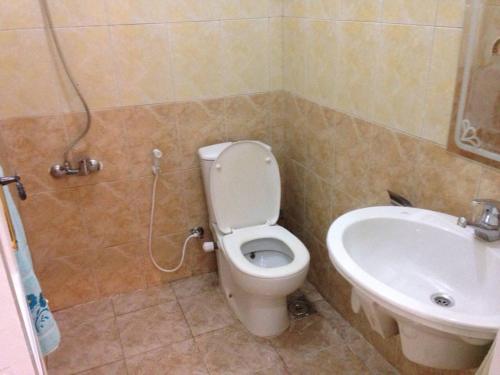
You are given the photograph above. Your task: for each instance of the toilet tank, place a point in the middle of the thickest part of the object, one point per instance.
(207, 156)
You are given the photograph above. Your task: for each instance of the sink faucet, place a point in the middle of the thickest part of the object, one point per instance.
(488, 226)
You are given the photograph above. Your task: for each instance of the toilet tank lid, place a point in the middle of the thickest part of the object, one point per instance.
(213, 151)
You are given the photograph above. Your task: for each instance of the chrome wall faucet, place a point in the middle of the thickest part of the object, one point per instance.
(488, 226)
(85, 167)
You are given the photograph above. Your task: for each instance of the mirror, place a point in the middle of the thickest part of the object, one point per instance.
(476, 124)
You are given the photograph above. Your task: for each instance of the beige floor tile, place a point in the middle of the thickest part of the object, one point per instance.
(334, 318)
(181, 358)
(117, 368)
(278, 369)
(206, 312)
(331, 360)
(306, 336)
(157, 340)
(312, 346)
(85, 346)
(138, 300)
(367, 353)
(151, 328)
(87, 312)
(233, 350)
(192, 286)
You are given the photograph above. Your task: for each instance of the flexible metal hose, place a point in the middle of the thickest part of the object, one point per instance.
(88, 121)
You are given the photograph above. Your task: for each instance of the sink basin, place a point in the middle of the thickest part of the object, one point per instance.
(418, 274)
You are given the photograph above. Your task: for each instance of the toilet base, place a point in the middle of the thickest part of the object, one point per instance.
(261, 315)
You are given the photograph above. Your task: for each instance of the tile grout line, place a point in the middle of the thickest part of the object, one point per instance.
(115, 318)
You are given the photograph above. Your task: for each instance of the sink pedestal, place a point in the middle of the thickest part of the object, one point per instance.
(423, 345)
(434, 348)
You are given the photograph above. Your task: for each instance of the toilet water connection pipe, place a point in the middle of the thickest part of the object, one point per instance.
(194, 232)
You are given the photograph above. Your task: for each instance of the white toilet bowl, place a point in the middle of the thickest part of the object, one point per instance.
(259, 262)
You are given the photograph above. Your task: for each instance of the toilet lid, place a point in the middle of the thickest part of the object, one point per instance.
(245, 186)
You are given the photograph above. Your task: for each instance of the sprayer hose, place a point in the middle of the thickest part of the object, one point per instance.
(150, 235)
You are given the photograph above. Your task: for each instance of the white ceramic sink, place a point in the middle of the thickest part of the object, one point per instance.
(397, 258)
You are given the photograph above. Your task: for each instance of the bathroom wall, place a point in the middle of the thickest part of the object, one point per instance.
(370, 90)
(173, 74)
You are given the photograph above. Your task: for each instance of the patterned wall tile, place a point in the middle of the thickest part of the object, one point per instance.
(31, 152)
(142, 63)
(360, 10)
(245, 56)
(87, 52)
(28, 76)
(133, 11)
(66, 13)
(197, 54)
(441, 86)
(20, 14)
(410, 11)
(50, 219)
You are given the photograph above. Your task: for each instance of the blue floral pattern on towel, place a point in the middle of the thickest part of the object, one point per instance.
(39, 311)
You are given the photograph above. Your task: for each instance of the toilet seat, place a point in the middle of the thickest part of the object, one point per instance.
(234, 241)
(245, 186)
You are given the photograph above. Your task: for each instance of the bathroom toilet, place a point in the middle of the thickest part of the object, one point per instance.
(259, 262)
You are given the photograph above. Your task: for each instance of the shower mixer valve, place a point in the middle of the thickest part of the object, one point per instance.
(85, 167)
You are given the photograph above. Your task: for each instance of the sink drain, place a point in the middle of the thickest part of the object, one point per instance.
(442, 300)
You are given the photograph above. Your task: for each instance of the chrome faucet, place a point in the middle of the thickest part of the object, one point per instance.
(488, 226)
(85, 167)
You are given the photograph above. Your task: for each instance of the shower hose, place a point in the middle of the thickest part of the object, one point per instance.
(150, 234)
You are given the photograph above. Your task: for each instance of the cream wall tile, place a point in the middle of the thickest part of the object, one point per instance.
(245, 59)
(244, 8)
(450, 13)
(16, 14)
(400, 86)
(311, 8)
(324, 8)
(356, 68)
(321, 62)
(441, 86)
(275, 8)
(295, 8)
(142, 61)
(89, 57)
(276, 53)
(190, 10)
(27, 75)
(77, 12)
(360, 10)
(422, 12)
(137, 11)
(294, 54)
(196, 52)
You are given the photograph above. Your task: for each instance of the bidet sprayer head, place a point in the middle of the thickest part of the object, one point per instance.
(157, 155)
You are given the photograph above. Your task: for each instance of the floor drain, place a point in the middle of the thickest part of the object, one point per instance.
(442, 300)
(298, 306)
